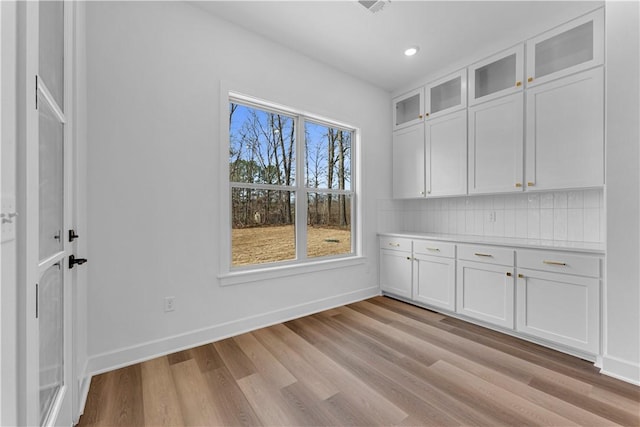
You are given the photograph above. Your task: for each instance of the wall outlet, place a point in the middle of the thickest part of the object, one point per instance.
(492, 216)
(169, 304)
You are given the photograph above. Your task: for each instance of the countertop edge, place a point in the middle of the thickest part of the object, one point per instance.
(588, 248)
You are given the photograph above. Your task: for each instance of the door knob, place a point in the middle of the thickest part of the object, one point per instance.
(73, 261)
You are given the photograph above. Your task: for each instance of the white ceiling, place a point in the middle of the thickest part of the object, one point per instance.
(370, 45)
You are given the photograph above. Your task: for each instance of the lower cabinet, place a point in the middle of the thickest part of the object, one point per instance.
(557, 302)
(434, 274)
(549, 295)
(485, 284)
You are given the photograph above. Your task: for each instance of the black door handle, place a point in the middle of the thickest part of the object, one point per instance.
(72, 235)
(73, 261)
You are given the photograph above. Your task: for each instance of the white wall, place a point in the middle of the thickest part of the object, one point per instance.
(622, 297)
(153, 78)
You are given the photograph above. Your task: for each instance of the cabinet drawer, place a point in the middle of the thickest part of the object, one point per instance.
(395, 243)
(434, 248)
(486, 254)
(560, 262)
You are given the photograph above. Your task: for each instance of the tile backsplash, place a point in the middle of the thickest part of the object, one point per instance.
(576, 216)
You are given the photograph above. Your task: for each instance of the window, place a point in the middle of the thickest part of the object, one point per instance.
(291, 186)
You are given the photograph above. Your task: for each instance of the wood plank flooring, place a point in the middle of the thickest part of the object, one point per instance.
(376, 362)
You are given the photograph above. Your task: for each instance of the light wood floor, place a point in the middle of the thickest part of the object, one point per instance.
(376, 362)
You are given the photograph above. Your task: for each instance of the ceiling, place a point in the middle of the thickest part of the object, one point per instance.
(370, 45)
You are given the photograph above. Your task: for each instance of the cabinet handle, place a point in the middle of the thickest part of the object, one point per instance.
(397, 245)
(520, 276)
(419, 116)
(518, 184)
(530, 79)
(422, 193)
(554, 262)
(426, 114)
(508, 274)
(530, 184)
(481, 254)
(433, 249)
(409, 258)
(429, 192)
(518, 84)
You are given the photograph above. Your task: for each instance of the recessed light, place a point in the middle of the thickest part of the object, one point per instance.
(411, 50)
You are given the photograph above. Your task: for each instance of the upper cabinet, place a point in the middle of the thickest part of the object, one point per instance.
(499, 75)
(446, 95)
(567, 49)
(408, 109)
(409, 163)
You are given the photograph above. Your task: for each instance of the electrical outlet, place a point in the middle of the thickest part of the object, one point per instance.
(169, 304)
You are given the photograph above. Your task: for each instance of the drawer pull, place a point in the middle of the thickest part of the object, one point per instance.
(554, 262)
(509, 274)
(481, 254)
(397, 245)
(433, 249)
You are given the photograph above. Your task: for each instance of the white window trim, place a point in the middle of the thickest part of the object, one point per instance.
(258, 272)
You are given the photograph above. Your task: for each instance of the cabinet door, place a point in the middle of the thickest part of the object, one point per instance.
(446, 155)
(497, 76)
(408, 109)
(496, 145)
(485, 292)
(570, 48)
(561, 308)
(434, 281)
(395, 272)
(446, 95)
(565, 132)
(408, 163)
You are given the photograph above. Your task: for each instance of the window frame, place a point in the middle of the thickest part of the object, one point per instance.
(302, 263)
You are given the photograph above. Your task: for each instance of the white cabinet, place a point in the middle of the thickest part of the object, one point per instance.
(496, 145)
(446, 155)
(558, 298)
(499, 75)
(565, 132)
(408, 109)
(395, 266)
(567, 49)
(434, 274)
(446, 95)
(485, 284)
(409, 162)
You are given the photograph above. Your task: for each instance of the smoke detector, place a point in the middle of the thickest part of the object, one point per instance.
(373, 6)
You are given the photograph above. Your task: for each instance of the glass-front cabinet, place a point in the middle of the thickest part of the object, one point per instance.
(408, 109)
(446, 95)
(567, 49)
(496, 76)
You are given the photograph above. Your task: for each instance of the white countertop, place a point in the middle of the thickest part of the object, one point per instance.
(594, 248)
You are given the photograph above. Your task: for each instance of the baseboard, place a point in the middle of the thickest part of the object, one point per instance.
(109, 361)
(82, 397)
(621, 369)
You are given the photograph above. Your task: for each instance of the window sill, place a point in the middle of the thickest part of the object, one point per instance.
(267, 273)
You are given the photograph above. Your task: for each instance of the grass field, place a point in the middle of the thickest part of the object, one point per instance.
(257, 245)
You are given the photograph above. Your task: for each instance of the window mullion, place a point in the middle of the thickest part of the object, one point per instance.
(301, 193)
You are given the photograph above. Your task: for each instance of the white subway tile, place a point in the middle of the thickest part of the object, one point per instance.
(470, 222)
(498, 226)
(533, 201)
(470, 203)
(533, 223)
(522, 201)
(546, 224)
(453, 222)
(478, 227)
(521, 223)
(461, 226)
(592, 225)
(592, 198)
(461, 203)
(444, 204)
(546, 200)
(509, 223)
(498, 201)
(560, 200)
(559, 224)
(431, 220)
(487, 202)
(575, 225)
(575, 200)
(510, 201)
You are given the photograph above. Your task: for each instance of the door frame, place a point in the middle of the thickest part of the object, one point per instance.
(28, 230)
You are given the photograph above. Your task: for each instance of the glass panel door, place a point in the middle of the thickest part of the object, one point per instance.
(446, 95)
(499, 75)
(407, 109)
